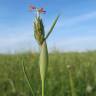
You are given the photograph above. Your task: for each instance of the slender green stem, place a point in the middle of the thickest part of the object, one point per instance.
(43, 65)
(27, 79)
(43, 87)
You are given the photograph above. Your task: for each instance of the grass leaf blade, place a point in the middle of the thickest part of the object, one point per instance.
(27, 79)
(52, 27)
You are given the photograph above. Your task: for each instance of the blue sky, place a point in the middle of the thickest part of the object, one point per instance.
(75, 30)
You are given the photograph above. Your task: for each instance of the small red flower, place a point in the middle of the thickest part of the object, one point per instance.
(31, 7)
(41, 10)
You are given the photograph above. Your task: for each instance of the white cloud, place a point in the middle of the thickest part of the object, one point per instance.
(68, 22)
(77, 43)
(20, 42)
(16, 42)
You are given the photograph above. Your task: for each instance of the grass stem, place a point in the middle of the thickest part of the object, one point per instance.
(43, 87)
(27, 78)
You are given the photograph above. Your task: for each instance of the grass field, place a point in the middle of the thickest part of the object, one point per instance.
(69, 74)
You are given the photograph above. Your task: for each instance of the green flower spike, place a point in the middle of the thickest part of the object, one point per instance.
(39, 34)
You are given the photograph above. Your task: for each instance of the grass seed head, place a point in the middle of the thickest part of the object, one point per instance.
(39, 32)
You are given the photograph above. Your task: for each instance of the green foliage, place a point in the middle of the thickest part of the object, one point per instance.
(41, 39)
(83, 75)
(52, 27)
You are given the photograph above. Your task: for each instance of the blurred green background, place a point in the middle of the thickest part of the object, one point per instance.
(66, 72)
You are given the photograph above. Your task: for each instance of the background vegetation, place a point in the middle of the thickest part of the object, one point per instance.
(68, 73)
